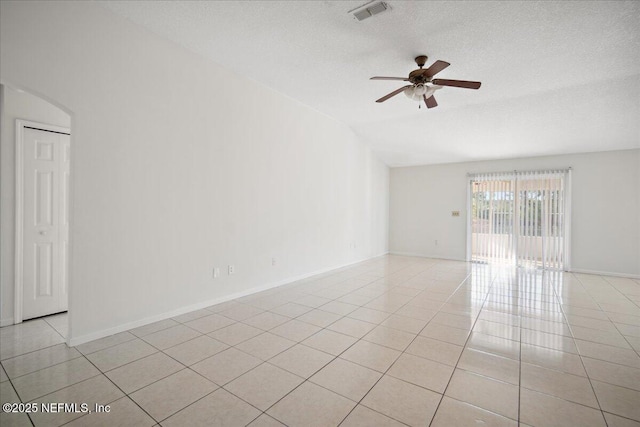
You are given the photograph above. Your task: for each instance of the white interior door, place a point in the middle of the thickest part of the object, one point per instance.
(45, 222)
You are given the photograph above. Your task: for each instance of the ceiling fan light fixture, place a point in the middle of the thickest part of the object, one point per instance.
(430, 91)
(409, 92)
(416, 92)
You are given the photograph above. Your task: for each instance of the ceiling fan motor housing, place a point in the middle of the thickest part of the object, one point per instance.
(418, 76)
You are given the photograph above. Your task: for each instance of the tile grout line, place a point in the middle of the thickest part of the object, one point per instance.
(519, 367)
(579, 353)
(19, 398)
(358, 339)
(255, 367)
(185, 367)
(614, 323)
(335, 357)
(581, 356)
(403, 351)
(115, 385)
(491, 281)
(572, 337)
(400, 355)
(392, 363)
(263, 362)
(416, 336)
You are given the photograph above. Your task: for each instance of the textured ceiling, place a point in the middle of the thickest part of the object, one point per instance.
(557, 77)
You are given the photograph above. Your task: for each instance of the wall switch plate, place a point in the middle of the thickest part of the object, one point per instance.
(232, 269)
(216, 272)
(273, 261)
(455, 213)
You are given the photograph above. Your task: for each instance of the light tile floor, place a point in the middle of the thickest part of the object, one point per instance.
(390, 341)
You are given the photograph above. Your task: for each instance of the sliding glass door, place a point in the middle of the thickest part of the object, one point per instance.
(492, 218)
(520, 218)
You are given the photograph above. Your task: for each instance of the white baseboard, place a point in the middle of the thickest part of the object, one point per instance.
(74, 341)
(605, 273)
(426, 256)
(6, 322)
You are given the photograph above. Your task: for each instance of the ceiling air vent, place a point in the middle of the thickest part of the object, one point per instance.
(370, 10)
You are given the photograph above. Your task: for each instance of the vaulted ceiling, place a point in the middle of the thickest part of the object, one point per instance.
(557, 77)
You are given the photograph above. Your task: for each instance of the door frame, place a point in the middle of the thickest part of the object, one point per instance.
(469, 219)
(19, 209)
(568, 215)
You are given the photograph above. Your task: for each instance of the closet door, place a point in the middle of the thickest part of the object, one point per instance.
(45, 222)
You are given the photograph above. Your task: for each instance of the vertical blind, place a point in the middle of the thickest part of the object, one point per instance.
(521, 218)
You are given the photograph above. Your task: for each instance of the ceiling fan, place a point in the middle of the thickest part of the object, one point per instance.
(423, 85)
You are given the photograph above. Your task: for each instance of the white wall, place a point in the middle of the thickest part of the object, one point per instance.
(179, 166)
(16, 105)
(605, 208)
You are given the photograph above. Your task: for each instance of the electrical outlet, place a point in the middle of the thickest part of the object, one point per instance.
(216, 272)
(232, 269)
(436, 243)
(273, 261)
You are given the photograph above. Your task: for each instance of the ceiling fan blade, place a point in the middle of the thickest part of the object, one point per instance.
(390, 78)
(435, 68)
(456, 83)
(430, 102)
(394, 93)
